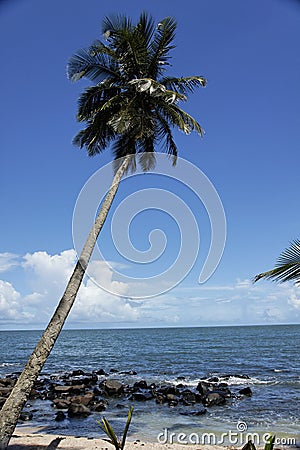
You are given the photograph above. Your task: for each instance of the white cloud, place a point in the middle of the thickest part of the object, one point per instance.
(294, 301)
(8, 261)
(45, 277)
(11, 308)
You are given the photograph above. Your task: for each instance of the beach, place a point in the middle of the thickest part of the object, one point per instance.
(34, 439)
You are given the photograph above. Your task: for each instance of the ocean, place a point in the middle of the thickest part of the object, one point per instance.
(268, 355)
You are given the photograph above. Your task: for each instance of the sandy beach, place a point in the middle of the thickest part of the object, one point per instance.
(35, 439)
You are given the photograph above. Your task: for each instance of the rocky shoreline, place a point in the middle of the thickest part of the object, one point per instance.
(80, 394)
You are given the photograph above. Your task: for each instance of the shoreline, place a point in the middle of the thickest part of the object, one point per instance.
(35, 439)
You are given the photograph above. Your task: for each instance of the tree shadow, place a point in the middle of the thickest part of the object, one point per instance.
(52, 446)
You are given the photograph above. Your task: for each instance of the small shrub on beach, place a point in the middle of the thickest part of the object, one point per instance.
(119, 444)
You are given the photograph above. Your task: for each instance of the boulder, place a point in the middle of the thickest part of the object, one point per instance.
(203, 387)
(64, 390)
(85, 400)
(76, 410)
(141, 384)
(100, 406)
(61, 404)
(141, 396)
(100, 372)
(213, 399)
(112, 387)
(25, 415)
(59, 416)
(246, 391)
(5, 391)
(188, 397)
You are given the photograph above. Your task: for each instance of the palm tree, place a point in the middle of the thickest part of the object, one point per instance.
(133, 107)
(287, 266)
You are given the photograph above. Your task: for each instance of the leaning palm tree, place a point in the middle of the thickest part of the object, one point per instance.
(287, 267)
(132, 107)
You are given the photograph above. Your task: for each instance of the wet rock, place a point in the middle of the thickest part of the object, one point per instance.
(141, 384)
(141, 396)
(100, 406)
(112, 387)
(7, 382)
(188, 397)
(199, 412)
(25, 415)
(203, 387)
(246, 391)
(85, 400)
(113, 370)
(77, 372)
(61, 404)
(76, 410)
(59, 416)
(73, 389)
(213, 380)
(213, 399)
(100, 372)
(5, 391)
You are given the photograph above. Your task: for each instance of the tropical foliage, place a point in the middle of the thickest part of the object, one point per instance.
(133, 104)
(118, 443)
(287, 267)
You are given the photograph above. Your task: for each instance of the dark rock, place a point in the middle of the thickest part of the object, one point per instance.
(203, 387)
(214, 398)
(2, 401)
(246, 391)
(225, 392)
(113, 370)
(77, 372)
(7, 382)
(61, 404)
(188, 397)
(213, 380)
(141, 396)
(152, 386)
(180, 378)
(25, 415)
(141, 384)
(160, 398)
(60, 416)
(85, 400)
(112, 387)
(100, 406)
(131, 372)
(74, 389)
(76, 410)
(100, 372)
(5, 391)
(199, 412)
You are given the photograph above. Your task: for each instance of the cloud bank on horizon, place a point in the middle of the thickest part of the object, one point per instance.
(30, 304)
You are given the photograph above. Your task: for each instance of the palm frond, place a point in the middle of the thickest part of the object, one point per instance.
(183, 85)
(161, 46)
(129, 417)
(287, 267)
(95, 68)
(164, 133)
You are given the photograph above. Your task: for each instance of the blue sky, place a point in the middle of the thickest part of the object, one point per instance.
(249, 53)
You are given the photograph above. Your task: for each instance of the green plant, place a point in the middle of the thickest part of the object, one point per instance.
(109, 431)
(268, 446)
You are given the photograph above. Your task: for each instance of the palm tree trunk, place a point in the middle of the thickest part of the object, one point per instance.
(13, 406)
